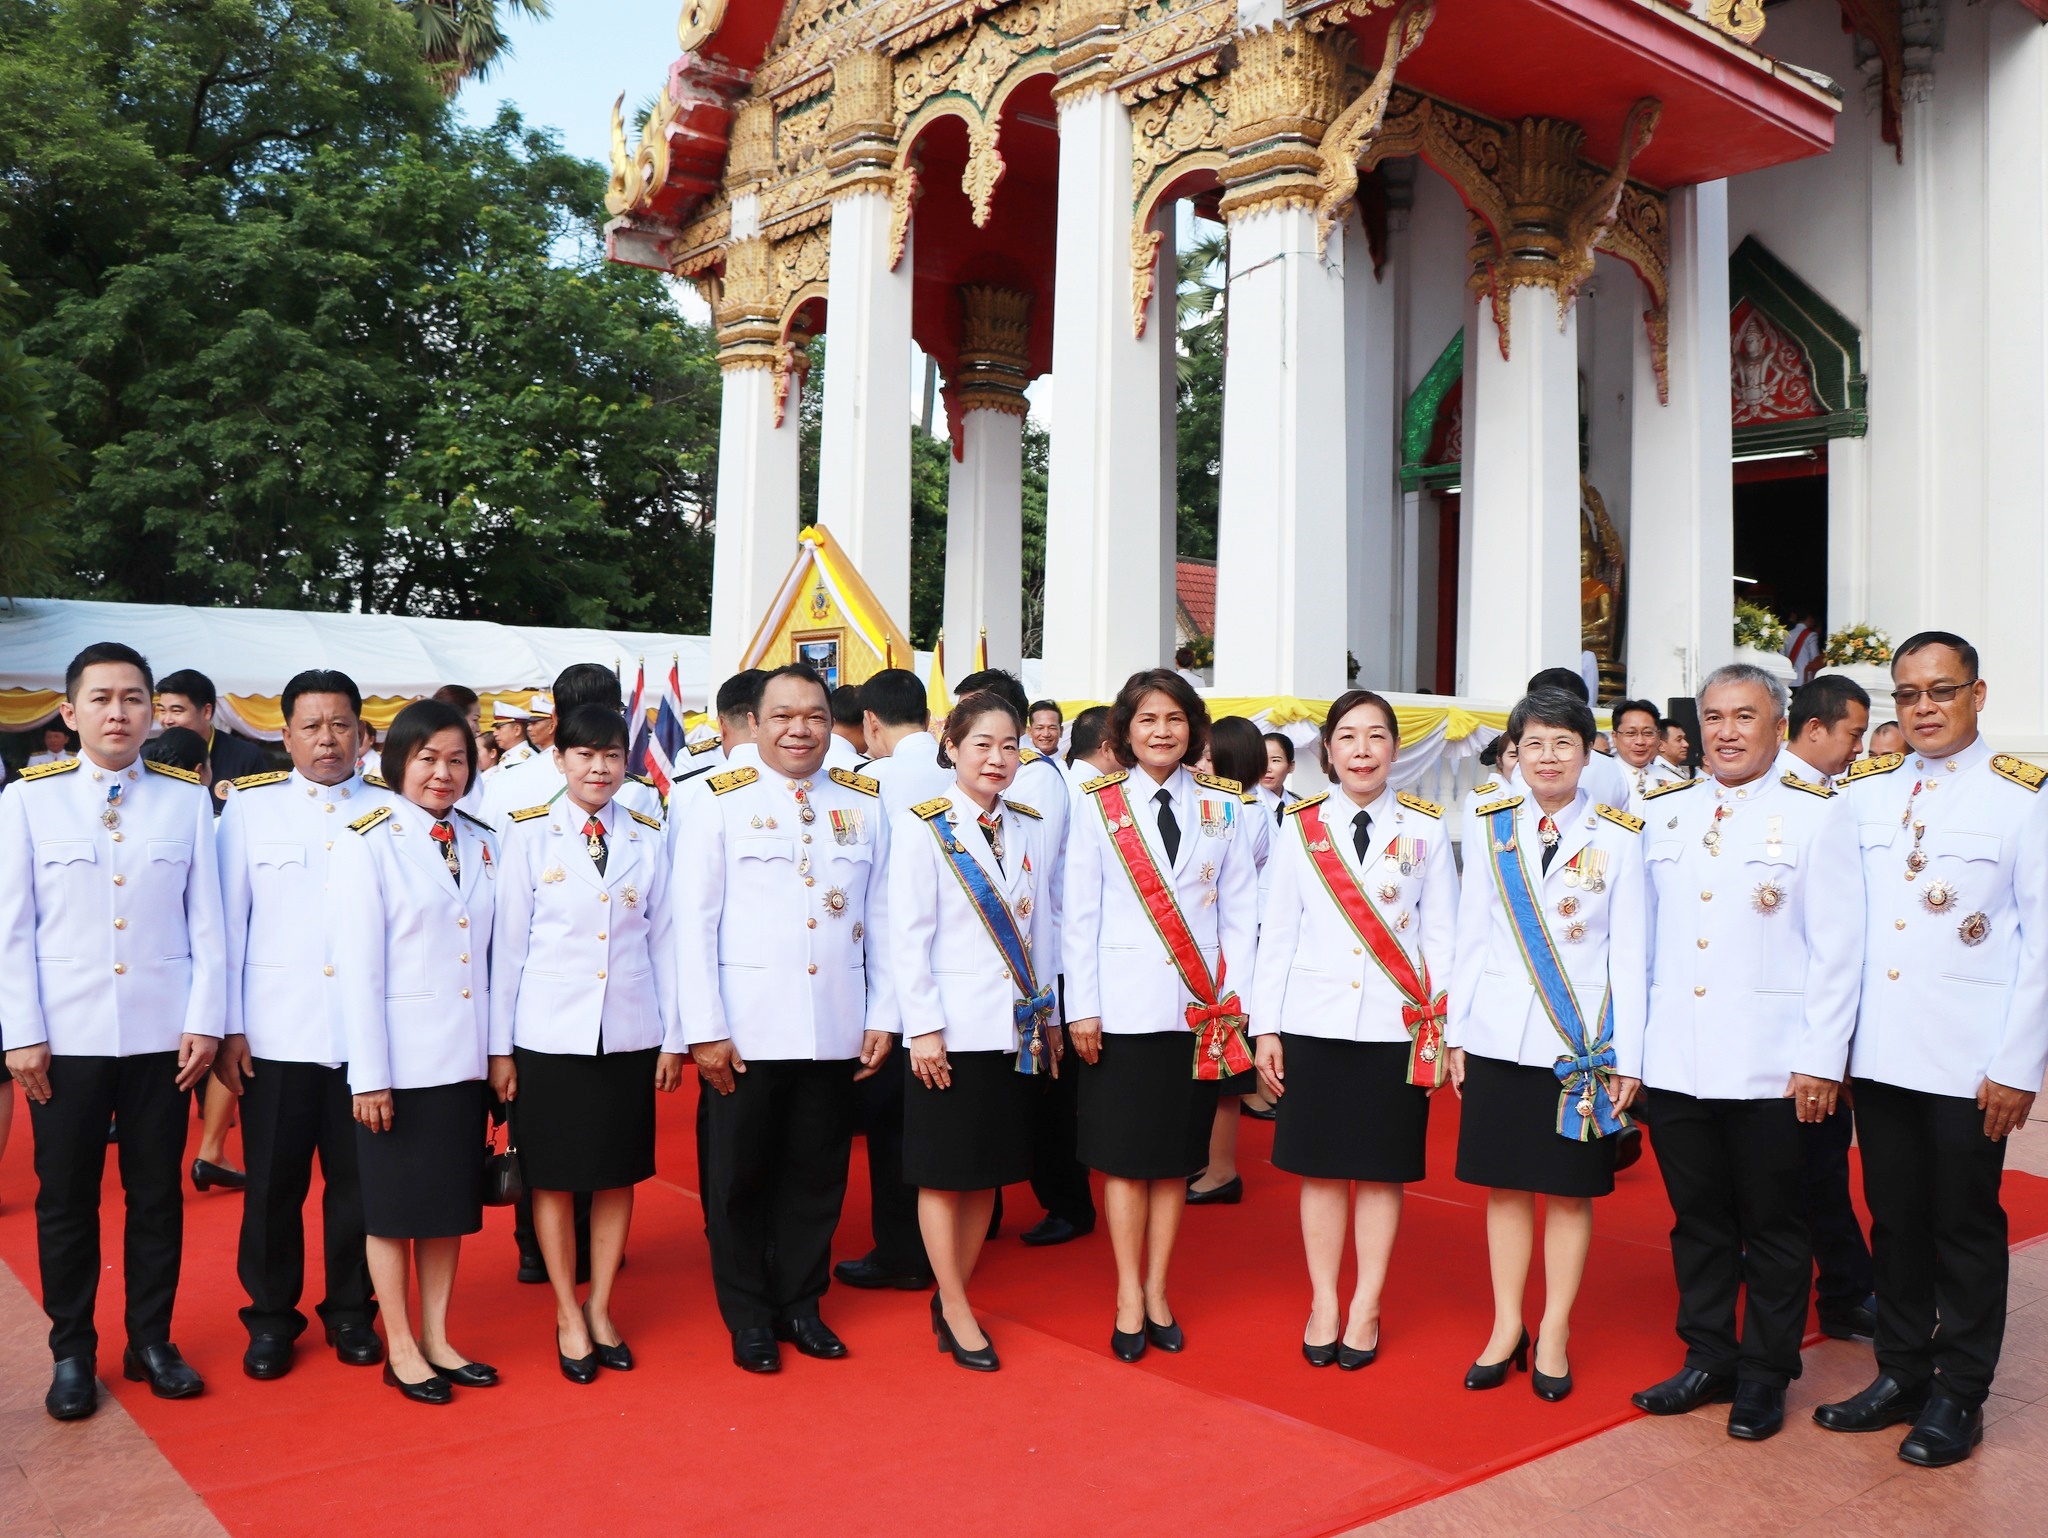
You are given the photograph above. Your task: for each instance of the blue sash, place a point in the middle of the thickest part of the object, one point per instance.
(1034, 1009)
(1585, 1071)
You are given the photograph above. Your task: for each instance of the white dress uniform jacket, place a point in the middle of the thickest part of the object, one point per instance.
(275, 840)
(1955, 971)
(579, 958)
(947, 972)
(782, 925)
(411, 949)
(1316, 978)
(110, 938)
(1656, 772)
(1117, 967)
(1494, 1009)
(911, 774)
(1756, 942)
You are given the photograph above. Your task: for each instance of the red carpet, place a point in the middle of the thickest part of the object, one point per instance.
(1237, 1436)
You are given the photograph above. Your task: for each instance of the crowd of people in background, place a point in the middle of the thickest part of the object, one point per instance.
(1010, 946)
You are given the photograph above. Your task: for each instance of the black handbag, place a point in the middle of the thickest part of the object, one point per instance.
(504, 1182)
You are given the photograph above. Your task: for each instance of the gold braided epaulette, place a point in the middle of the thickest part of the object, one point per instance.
(1667, 789)
(859, 782)
(1792, 781)
(1619, 818)
(1884, 763)
(254, 781)
(369, 820)
(1027, 811)
(938, 806)
(528, 813)
(2019, 771)
(1218, 782)
(189, 776)
(44, 771)
(474, 822)
(1104, 781)
(1303, 803)
(644, 820)
(1506, 804)
(1417, 804)
(376, 782)
(733, 779)
(709, 744)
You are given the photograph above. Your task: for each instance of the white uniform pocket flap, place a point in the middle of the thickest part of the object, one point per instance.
(1960, 845)
(1771, 854)
(1875, 835)
(277, 854)
(1664, 849)
(764, 849)
(172, 851)
(62, 851)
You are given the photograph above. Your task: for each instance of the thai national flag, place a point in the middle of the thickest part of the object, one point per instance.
(636, 723)
(665, 743)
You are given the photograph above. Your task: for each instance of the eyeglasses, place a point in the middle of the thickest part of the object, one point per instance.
(1940, 694)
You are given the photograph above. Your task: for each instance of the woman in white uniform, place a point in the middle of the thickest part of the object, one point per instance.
(1548, 995)
(584, 1025)
(409, 903)
(1360, 923)
(976, 953)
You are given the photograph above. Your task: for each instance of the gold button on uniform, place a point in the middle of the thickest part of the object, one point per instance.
(120, 967)
(604, 897)
(1706, 897)
(462, 923)
(1699, 991)
(1898, 923)
(465, 958)
(465, 993)
(120, 881)
(600, 977)
(119, 836)
(327, 971)
(813, 969)
(1354, 982)
(120, 923)
(600, 933)
(809, 882)
(811, 923)
(1703, 942)
(1893, 974)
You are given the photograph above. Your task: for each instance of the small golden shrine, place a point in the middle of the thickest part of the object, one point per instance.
(826, 616)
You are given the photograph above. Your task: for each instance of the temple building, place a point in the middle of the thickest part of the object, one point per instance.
(1553, 325)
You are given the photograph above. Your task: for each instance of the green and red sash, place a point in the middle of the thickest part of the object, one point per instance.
(1424, 1011)
(1216, 1017)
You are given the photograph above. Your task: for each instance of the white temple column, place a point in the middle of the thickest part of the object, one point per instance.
(1377, 611)
(1681, 549)
(985, 485)
(1104, 590)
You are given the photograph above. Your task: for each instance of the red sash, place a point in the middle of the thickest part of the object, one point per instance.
(1423, 1013)
(1216, 1017)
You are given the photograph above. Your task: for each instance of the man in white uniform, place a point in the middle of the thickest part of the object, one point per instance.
(110, 942)
(1756, 949)
(1603, 779)
(1951, 1042)
(283, 1054)
(732, 749)
(903, 754)
(1637, 736)
(538, 781)
(509, 720)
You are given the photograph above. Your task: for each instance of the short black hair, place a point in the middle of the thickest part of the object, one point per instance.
(416, 724)
(1051, 705)
(586, 683)
(1825, 699)
(847, 709)
(461, 696)
(1628, 707)
(739, 694)
(1085, 735)
(590, 726)
(1156, 681)
(1559, 678)
(1927, 638)
(1554, 707)
(800, 670)
(896, 697)
(997, 681)
(104, 652)
(1286, 744)
(1237, 750)
(325, 681)
(192, 684)
(1183, 656)
(179, 747)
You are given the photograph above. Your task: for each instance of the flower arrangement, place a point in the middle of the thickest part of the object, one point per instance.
(1855, 645)
(1758, 628)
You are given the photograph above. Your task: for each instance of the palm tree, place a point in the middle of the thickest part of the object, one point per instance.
(1200, 298)
(461, 39)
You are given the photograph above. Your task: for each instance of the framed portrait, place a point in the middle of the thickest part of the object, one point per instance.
(820, 651)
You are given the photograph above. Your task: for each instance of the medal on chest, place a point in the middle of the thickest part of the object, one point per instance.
(1219, 818)
(1588, 869)
(847, 825)
(110, 815)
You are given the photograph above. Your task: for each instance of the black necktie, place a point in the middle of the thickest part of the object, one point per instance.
(1361, 834)
(1169, 830)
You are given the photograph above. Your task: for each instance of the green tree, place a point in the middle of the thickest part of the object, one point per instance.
(35, 477)
(1198, 409)
(461, 39)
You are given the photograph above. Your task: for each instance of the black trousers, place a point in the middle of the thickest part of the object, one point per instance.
(1839, 1250)
(1937, 1237)
(774, 1179)
(71, 1161)
(899, 1242)
(290, 1112)
(1058, 1177)
(1733, 1170)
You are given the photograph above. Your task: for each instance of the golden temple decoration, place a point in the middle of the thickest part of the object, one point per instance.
(1361, 122)
(792, 368)
(1144, 270)
(1171, 135)
(1742, 20)
(698, 21)
(1640, 235)
(1345, 10)
(1178, 47)
(745, 311)
(902, 200)
(968, 75)
(984, 169)
(818, 32)
(1284, 93)
(637, 176)
(1087, 36)
(700, 244)
(995, 351)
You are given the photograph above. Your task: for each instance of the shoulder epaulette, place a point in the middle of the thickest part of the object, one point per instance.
(641, 779)
(938, 806)
(1030, 756)
(1665, 790)
(2019, 771)
(376, 782)
(252, 781)
(1884, 763)
(475, 822)
(1792, 780)
(644, 820)
(1251, 798)
(859, 782)
(1303, 803)
(369, 820)
(733, 779)
(1104, 781)
(1218, 782)
(528, 813)
(189, 776)
(708, 745)
(44, 771)
(1620, 818)
(1029, 811)
(1417, 804)
(1485, 790)
(1506, 804)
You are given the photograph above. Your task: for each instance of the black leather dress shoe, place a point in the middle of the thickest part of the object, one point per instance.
(206, 1175)
(1052, 1230)
(1628, 1147)
(355, 1345)
(434, 1390)
(1319, 1356)
(1351, 1359)
(1945, 1433)
(577, 1369)
(74, 1391)
(1684, 1392)
(1758, 1412)
(166, 1372)
(268, 1356)
(812, 1337)
(1128, 1346)
(532, 1269)
(1167, 1337)
(1257, 1112)
(871, 1275)
(1886, 1402)
(1229, 1194)
(617, 1358)
(1547, 1388)
(755, 1350)
(1856, 1322)
(468, 1375)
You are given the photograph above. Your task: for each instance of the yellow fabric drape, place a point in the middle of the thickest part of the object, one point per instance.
(21, 709)
(1416, 721)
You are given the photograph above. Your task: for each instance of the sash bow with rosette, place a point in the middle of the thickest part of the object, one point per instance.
(1034, 1008)
(1424, 1009)
(1585, 1071)
(1216, 1017)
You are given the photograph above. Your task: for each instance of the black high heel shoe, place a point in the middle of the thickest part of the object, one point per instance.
(1350, 1358)
(1319, 1356)
(1549, 1388)
(983, 1360)
(577, 1369)
(938, 1309)
(1128, 1346)
(469, 1374)
(617, 1358)
(434, 1390)
(1494, 1374)
(1167, 1337)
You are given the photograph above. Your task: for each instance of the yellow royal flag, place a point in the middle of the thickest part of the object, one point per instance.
(936, 700)
(981, 653)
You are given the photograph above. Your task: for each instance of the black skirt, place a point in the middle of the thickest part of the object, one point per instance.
(424, 1179)
(1349, 1112)
(1508, 1137)
(974, 1135)
(584, 1121)
(1144, 1114)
